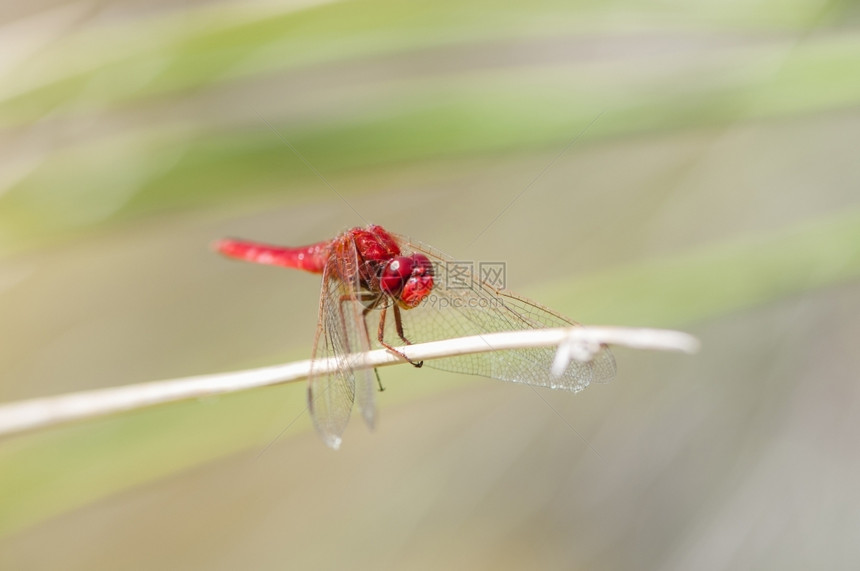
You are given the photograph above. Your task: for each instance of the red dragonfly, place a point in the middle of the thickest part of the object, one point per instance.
(369, 270)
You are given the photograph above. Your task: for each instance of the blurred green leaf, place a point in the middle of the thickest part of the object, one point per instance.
(137, 166)
(718, 279)
(196, 48)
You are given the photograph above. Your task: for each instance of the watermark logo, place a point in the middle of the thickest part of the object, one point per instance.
(442, 302)
(459, 274)
(459, 285)
(493, 274)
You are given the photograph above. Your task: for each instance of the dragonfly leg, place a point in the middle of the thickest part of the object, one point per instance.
(374, 301)
(381, 335)
(367, 335)
(398, 325)
(370, 301)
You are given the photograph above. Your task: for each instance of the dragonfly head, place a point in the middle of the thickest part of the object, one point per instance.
(408, 279)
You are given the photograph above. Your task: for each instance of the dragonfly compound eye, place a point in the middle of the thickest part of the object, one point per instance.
(420, 281)
(394, 274)
(407, 278)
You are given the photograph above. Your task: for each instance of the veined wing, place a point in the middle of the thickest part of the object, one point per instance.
(461, 305)
(341, 330)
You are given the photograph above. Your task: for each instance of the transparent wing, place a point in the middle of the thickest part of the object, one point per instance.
(462, 305)
(340, 331)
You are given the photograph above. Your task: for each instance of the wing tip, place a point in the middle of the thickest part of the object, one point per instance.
(369, 419)
(332, 441)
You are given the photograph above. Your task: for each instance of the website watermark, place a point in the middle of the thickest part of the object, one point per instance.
(462, 274)
(462, 284)
(435, 301)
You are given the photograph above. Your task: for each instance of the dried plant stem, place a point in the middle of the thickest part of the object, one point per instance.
(578, 343)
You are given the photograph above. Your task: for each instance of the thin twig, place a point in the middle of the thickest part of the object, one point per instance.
(578, 343)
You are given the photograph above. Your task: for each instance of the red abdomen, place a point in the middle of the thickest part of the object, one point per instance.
(309, 258)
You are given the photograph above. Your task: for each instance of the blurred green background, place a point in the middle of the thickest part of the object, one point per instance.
(680, 164)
